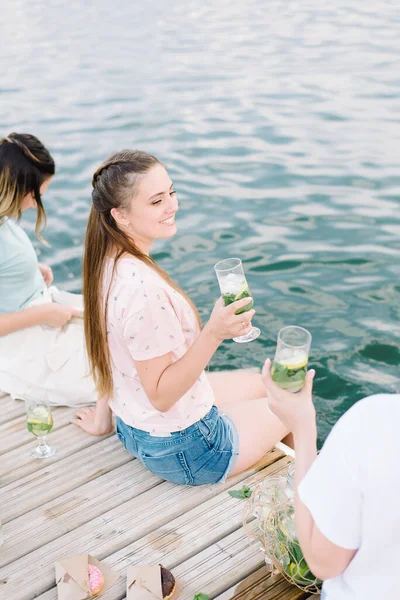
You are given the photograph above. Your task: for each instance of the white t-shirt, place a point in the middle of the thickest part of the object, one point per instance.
(353, 493)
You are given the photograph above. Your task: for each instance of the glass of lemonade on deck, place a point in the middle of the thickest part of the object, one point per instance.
(39, 422)
(289, 367)
(233, 286)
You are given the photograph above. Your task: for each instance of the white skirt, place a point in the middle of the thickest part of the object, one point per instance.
(46, 361)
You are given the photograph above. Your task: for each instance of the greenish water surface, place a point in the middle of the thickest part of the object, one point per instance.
(279, 123)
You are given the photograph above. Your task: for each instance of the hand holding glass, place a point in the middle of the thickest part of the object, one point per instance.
(289, 367)
(39, 422)
(233, 286)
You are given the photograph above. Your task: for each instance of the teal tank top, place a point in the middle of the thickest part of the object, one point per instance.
(21, 281)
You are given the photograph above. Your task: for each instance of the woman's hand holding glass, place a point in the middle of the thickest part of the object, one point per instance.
(295, 411)
(224, 324)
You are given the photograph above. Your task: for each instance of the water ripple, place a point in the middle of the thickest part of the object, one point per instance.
(280, 126)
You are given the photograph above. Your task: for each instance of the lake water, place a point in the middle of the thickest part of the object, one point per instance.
(279, 123)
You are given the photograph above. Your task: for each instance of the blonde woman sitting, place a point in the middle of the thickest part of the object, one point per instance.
(42, 349)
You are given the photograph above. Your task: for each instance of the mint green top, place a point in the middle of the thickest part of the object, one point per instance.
(20, 278)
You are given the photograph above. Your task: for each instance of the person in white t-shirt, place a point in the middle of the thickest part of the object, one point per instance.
(347, 510)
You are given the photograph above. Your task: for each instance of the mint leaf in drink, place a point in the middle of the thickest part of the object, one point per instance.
(201, 597)
(242, 494)
(228, 299)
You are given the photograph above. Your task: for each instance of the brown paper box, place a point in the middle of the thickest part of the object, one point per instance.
(72, 577)
(144, 583)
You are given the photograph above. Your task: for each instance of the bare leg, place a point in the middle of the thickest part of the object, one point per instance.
(241, 386)
(259, 430)
(231, 387)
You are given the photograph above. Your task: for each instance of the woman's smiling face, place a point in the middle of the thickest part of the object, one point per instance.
(151, 213)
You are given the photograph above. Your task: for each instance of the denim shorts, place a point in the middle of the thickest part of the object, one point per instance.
(204, 453)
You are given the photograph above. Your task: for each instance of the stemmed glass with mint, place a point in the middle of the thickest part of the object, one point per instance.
(234, 287)
(39, 422)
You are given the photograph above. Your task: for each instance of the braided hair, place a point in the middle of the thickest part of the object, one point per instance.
(114, 185)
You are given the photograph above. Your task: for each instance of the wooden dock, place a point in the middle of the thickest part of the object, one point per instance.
(92, 497)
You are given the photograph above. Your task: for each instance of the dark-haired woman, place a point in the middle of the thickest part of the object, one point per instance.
(42, 350)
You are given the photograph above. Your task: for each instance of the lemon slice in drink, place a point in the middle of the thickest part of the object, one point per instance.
(243, 289)
(40, 415)
(292, 364)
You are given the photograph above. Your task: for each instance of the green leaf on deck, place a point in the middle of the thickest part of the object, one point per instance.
(201, 597)
(242, 494)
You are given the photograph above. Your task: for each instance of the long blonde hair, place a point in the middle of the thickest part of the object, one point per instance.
(24, 165)
(114, 185)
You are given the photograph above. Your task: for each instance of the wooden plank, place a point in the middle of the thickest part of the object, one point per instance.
(183, 536)
(18, 463)
(112, 531)
(10, 409)
(175, 548)
(68, 474)
(248, 585)
(74, 509)
(262, 585)
(215, 568)
(190, 533)
(14, 434)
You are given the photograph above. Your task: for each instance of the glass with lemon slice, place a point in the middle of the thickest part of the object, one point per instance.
(289, 367)
(234, 287)
(39, 422)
